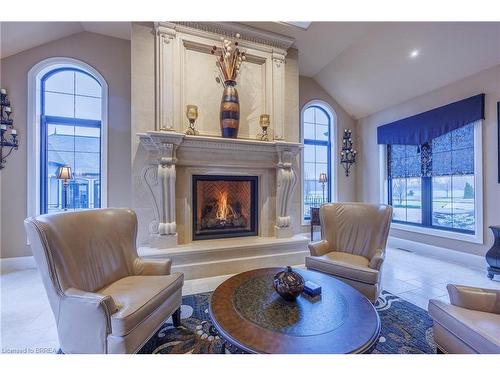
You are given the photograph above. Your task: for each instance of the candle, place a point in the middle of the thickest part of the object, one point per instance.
(14, 132)
(3, 91)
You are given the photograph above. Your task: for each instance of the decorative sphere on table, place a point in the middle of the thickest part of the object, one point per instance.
(289, 284)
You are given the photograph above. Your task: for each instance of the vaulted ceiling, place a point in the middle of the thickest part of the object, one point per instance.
(365, 66)
(19, 36)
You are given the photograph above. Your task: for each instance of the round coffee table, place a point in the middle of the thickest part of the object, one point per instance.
(249, 314)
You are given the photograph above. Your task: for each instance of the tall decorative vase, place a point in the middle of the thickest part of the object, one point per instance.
(493, 254)
(230, 111)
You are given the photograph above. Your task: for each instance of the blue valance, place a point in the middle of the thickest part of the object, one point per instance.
(424, 127)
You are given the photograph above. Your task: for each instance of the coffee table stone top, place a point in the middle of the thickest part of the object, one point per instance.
(249, 313)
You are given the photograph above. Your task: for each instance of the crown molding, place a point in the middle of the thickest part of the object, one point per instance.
(229, 29)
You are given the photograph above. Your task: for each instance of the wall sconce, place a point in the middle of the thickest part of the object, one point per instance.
(323, 179)
(6, 123)
(192, 115)
(348, 154)
(65, 174)
(264, 123)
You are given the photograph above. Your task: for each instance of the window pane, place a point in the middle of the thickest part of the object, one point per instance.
(463, 202)
(413, 166)
(59, 105)
(414, 200)
(73, 95)
(63, 81)
(441, 163)
(86, 165)
(442, 210)
(463, 137)
(321, 117)
(87, 108)
(322, 133)
(60, 137)
(54, 192)
(78, 194)
(56, 159)
(87, 139)
(399, 198)
(321, 154)
(316, 129)
(309, 115)
(309, 171)
(97, 194)
(321, 168)
(462, 161)
(309, 154)
(86, 85)
(442, 143)
(308, 130)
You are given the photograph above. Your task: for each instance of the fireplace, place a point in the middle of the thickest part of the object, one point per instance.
(224, 206)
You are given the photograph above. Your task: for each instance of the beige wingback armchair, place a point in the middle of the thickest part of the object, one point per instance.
(105, 299)
(352, 246)
(470, 323)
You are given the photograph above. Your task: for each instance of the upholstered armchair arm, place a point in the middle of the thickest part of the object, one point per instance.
(377, 260)
(479, 299)
(319, 248)
(151, 267)
(84, 321)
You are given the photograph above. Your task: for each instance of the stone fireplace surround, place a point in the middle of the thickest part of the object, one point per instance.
(172, 160)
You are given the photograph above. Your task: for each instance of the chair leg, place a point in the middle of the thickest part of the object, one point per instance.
(176, 317)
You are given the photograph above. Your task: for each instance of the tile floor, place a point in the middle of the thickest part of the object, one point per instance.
(27, 324)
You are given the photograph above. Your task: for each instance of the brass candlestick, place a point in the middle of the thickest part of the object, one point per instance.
(264, 124)
(192, 115)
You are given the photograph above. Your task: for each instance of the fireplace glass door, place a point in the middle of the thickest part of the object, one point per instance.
(224, 206)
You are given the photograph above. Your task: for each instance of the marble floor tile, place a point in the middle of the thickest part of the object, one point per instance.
(27, 321)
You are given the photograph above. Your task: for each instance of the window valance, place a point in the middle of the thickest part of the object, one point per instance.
(424, 127)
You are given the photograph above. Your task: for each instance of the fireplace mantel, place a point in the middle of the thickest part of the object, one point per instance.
(168, 150)
(154, 141)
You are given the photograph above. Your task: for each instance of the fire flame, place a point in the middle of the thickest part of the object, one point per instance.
(223, 208)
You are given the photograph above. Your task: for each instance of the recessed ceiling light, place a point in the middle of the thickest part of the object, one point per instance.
(300, 24)
(414, 53)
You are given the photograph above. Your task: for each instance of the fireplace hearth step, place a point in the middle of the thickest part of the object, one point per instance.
(232, 255)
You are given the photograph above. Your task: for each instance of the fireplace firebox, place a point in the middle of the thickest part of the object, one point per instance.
(224, 206)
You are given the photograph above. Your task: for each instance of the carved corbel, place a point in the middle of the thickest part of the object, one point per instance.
(159, 179)
(286, 180)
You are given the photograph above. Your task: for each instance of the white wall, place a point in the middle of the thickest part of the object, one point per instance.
(309, 90)
(111, 57)
(368, 172)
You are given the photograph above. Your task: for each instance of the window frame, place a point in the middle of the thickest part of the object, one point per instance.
(34, 128)
(331, 156)
(74, 121)
(439, 231)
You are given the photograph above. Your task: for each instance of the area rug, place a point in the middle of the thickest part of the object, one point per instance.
(406, 329)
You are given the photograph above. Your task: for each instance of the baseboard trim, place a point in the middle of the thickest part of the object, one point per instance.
(17, 264)
(437, 252)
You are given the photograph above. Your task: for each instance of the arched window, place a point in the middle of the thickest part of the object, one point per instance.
(67, 109)
(317, 135)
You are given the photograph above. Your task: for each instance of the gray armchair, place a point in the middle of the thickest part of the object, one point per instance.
(352, 246)
(105, 299)
(470, 323)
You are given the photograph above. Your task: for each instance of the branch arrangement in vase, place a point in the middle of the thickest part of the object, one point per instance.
(229, 60)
